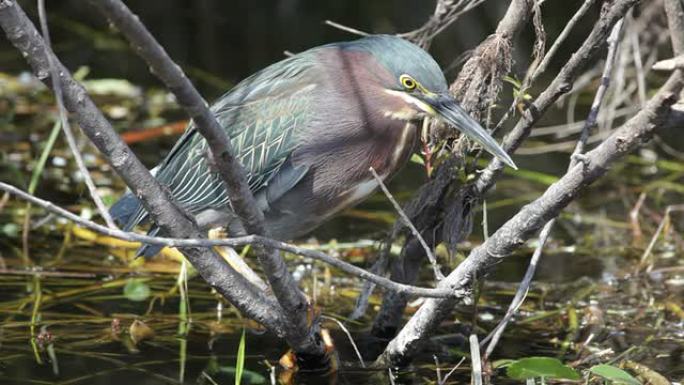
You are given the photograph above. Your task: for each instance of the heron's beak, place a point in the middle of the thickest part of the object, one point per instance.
(446, 108)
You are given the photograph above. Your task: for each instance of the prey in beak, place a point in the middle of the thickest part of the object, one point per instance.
(444, 107)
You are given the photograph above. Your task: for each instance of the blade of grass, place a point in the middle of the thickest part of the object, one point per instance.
(240, 362)
(35, 314)
(33, 184)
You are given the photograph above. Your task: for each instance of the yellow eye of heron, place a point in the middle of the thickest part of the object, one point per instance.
(408, 82)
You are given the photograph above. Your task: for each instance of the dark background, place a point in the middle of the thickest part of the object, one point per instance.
(219, 42)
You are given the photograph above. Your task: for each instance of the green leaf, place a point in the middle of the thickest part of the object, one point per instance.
(136, 290)
(614, 374)
(546, 367)
(40, 164)
(10, 229)
(513, 81)
(502, 363)
(415, 158)
(240, 363)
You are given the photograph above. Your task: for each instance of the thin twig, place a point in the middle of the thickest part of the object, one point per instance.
(345, 28)
(43, 273)
(66, 127)
(433, 261)
(391, 376)
(349, 336)
(520, 294)
(446, 378)
(437, 369)
(613, 40)
(649, 249)
(4, 200)
(670, 64)
(476, 360)
(638, 67)
(446, 12)
(233, 242)
(560, 39)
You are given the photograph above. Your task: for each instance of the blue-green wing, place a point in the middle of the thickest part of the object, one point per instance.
(262, 116)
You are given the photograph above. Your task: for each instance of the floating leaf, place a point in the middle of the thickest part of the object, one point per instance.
(534, 367)
(614, 374)
(136, 290)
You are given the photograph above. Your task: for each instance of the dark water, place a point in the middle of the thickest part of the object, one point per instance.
(219, 43)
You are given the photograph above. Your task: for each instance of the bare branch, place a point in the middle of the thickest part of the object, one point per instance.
(644, 260)
(560, 39)
(300, 336)
(675, 20)
(670, 64)
(521, 293)
(349, 336)
(446, 12)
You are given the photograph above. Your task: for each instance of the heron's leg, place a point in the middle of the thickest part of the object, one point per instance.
(234, 259)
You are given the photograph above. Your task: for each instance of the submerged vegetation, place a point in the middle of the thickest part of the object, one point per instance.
(605, 306)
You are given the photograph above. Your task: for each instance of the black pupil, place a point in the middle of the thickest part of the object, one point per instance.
(409, 83)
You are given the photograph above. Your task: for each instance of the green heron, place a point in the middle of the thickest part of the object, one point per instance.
(307, 129)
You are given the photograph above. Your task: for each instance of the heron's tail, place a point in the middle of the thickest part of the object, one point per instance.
(126, 211)
(129, 212)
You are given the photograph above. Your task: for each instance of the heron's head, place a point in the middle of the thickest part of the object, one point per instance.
(417, 81)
